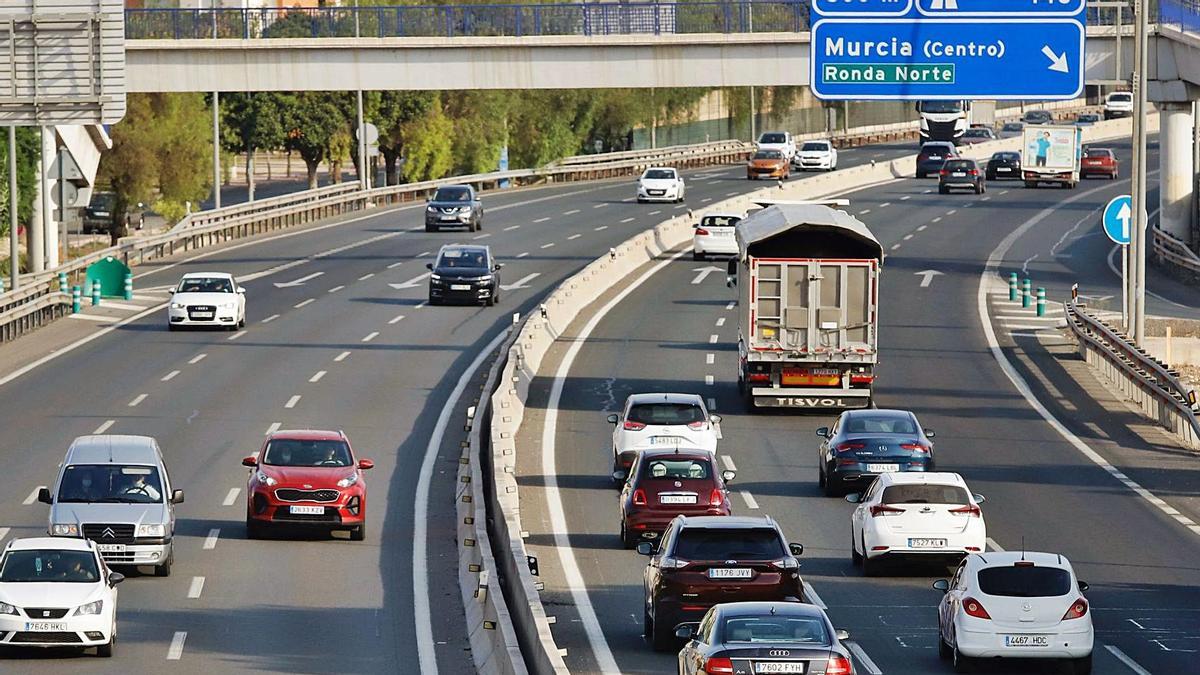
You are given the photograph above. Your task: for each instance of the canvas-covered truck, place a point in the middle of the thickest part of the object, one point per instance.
(807, 278)
(1051, 155)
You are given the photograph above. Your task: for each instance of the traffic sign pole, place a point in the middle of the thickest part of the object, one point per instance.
(1125, 287)
(1137, 298)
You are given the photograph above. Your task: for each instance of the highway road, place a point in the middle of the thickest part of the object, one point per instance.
(331, 343)
(1043, 492)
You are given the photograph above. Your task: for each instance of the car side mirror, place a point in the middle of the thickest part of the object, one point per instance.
(366, 464)
(115, 578)
(929, 433)
(44, 496)
(429, 266)
(854, 497)
(645, 548)
(823, 432)
(941, 585)
(979, 499)
(613, 418)
(250, 461)
(728, 475)
(498, 266)
(241, 290)
(686, 631)
(796, 549)
(619, 476)
(716, 419)
(730, 281)
(842, 634)
(177, 497)
(1083, 586)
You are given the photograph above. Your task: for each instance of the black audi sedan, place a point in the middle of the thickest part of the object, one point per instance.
(865, 443)
(465, 273)
(764, 637)
(1004, 165)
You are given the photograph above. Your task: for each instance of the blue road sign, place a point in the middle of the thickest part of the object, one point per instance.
(948, 59)
(1117, 216)
(863, 7)
(1025, 8)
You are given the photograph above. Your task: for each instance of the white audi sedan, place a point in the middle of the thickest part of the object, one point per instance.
(713, 235)
(660, 184)
(1018, 605)
(929, 516)
(661, 421)
(207, 299)
(817, 156)
(57, 592)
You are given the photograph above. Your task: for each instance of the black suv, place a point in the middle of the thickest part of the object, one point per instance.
(1037, 117)
(466, 273)
(933, 154)
(961, 173)
(706, 560)
(454, 206)
(1004, 165)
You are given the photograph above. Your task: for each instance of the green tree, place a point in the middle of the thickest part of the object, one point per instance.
(28, 147)
(480, 128)
(548, 125)
(428, 153)
(397, 109)
(311, 123)
(251, 122)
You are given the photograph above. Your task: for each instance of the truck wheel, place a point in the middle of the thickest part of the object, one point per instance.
(1030, 184)
(943, 190)
(920, 174)
(696, 255)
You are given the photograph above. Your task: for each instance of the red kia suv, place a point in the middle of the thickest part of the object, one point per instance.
(665, 483)
(308, 479)
(704, 561)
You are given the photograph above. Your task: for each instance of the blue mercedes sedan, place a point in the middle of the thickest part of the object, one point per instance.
(865, 443)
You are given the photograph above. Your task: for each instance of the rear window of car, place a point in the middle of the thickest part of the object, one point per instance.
(815, 147)
(935, 149)
(719, 221)
(1120, 98)
(729, 544)
(879, 424)
(1006, 156)
(773, 138)
(1013, 126)
(660, 174)
(768, 154)
(809, 630)
(1025, 581)
(666, 413)
(977, 133)
(1098, 153)
(925, 494)
(959, 165)
(677, 469)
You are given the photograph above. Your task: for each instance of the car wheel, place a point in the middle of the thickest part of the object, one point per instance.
(254, 529)
(164, 570)
(832, 486)
(662, 636)
(855, 558)
(359, 533)
(647, 624)
(920, 174)
(696, 255)
(433, 301)
(944, 650)
(1030, 184)
(641, 201)
(962, 664)
(820, 477)
(870, 567)
(978, 189)
(942, 190)
(1082, 665)
(490, 301)
(106, 650)
(431, 228)
(1113, 176)
(172, 327)
(627, 542)
(242, 322)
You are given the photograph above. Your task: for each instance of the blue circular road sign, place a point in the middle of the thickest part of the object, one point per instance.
(1118, 216)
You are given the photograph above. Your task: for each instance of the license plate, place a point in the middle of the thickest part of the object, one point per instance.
(779, 667)
(927, 543)
(202, 315)
(730, 573)
(307, 510)
(959, 174)
(45, 627)
(666, 440)
(677, 499)
(828, 377)
(460, 287)
(110, 548)
(447, 218)
(1004, 169)
(1026, 640)
(883, 468)
(655, 193)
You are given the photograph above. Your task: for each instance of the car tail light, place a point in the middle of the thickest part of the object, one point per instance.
(639, 497)
(973, 172)
(915, 447)
(846, 447)
(701, 231)
(760, 377)
(718, 664)
(970, 510)
(668, 563)
(698, 426)
(861, 379)
(633, 426)
(1077, 610)
(838, 665)
(885, 510)
(788, 563)
(943, 172)
(972, 607)
(715, 498)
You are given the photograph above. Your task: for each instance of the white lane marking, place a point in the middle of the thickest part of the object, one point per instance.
(1124, 658)
(33, 495)
(706, 200)
(1023, 334)
(654, 213)
(396, 319)
(399, 263)
(302, 303)
(600, 228)
(731, 194)
(864, 212)
(421, 304)
(894, 247)
(522, 255)
(1004, 192)
(712, 339)
(708, 380)
(628, 220)
(541, 220)
(236, 335)
(709, 359)
(921, 228)
(936, 220)
(731, 305)
(231, 497)
(751, 503)
(906, 198)
(548, 245)
(810, 594)
(712, 404)
(341, 357)
(907, 237)
(426, 654)
(600, 205)
(728, 461)
(574, 236)
(291, 402)
(4, 533)
(271, 318)
(210, 542)
(721, 321)
(862, 657)
(485, 235)
(175, 651)
(992, 545)
(510, 228)
(169, 376)
(137, 400)
(571, 212)
(423, 254)
(952, 212)
(104, 427)
(273, 428)
(366, 276)
(196, 588)
(370, 336)
(885, 204)
(605, 662)
(93, 317)
(927, 191)
(317, 376)
(197, 359)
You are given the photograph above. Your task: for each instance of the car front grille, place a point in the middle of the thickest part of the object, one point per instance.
(102, 533)
(45, 612)
(45, 638)
(294, 495)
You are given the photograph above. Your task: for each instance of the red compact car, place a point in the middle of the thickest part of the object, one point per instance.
(665, 483)
(1098, 162)
(308, 479)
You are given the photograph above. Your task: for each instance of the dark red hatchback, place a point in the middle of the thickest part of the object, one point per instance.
(665, 483)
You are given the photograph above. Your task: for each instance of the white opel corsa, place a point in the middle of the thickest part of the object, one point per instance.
(207, 299)
(816, 155)
(661, 421)
(1018, 605)
(57, 592)
(660, 184)
(915, 516)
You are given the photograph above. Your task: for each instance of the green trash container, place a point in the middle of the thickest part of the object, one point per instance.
(110, 272)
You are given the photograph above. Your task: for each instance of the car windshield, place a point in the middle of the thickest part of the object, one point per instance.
(104, 201)
(1013, 126)
(977, 133)
(49, 565)
(1038, 115)
(773, 138)
(815, 147)
(296, 452)
(879, 424)
(728, 544)
(113, 483)
(941, 106)
(719, 221)
(676, 469)
(959, 165)
(205, 285)
(659, 174)
(925, 494)
(1089, 118)
(457, 257)
(452, 194)
(1098, 153)
(1025, 581)
(775, 629)
(1006, 156)
(1120, 98)
(768, 154)
(665, 413)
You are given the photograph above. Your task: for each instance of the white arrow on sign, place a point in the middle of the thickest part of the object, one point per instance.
(523, 282)
(1058, 62)
(1123, 216)
(927, 277)
(298, 282)
(411, 283)
(703, 272)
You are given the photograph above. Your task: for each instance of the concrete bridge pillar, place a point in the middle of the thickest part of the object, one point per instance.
(1177, 173)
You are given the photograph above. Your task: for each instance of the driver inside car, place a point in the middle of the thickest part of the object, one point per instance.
(139, 486)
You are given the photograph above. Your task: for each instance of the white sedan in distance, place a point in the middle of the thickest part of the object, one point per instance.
(661, 421)
(57, 592)
(713, 235)
(817, 155)
(915, 515)
(660, 184)
(1017, 605)
(207, 299)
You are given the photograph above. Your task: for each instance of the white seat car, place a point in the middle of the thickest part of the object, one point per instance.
(660, 184)
(778, 140)
(57, 592)
(1118, 104)
(713, 235)
(915, 515)
(661, 421)
(816, 156)
(1015, 604)
(207, 299)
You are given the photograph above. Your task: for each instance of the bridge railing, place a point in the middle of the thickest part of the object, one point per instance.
(1181, 14)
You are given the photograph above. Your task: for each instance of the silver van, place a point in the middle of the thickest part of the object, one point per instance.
(115, 490)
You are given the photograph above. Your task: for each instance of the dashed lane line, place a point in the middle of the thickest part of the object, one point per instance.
(370, 336)
(628, 220)
(169, 376)
(907, 237)
(712, 404)
(936, 220)
(906, 198)
(721, 321)
(175, 651)
(424, 254)
(271, 318)
(885, 205)
(522, 255)
(600, 228)
(709, 380)
(570, 212)
(291, 402)
(712, 339)
(731, 304)
(894, 247)
(303, 303)
(993, 545)
(396, 319)
(197, 359)
(510, 228)
(548, 245)
(210, 542)
(728, 462)
(137, 400)
(421, 304)
(273, 428)
(485, 235)
(104, 427)
(341, 357)
(32, 496)
(231, 496)
(235, 336)
(864, 212)
(654, 213)
(600, 205)
(399, 263)
(709, 359)
(196, 588)
(921, 228)
(335, 289)
(573, 237)
(317, 376)
(366, 276)
(952, 212)
(751, 502)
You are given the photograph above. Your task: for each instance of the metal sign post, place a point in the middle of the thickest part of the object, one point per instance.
(14, 246)
(1116, 223)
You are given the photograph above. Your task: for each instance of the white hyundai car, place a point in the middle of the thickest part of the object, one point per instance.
(660, 184)
(713, 235)
(57, 592)
(207, 299)
(661, 421)
(915, 516)
(1018, 605)
(817, 155)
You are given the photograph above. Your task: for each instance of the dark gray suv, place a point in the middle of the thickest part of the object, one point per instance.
(454, 206)
(464, 273)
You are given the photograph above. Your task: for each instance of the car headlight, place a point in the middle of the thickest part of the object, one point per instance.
(348, 480)
(92, 608)
(6, 608)
(265, 479)
(178, 305)
(64, 530)
(464, 209)
(431, 209)
(158, 530)
(435, 277)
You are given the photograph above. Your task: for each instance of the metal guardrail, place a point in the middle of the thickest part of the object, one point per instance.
(1175, 252)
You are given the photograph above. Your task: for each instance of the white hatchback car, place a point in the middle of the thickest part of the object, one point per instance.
(915, 515)
(207, 299)
(816, 156)
(661, 421)
(1015, 604)
(57, 592)
(713, 235)
(660, 184)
